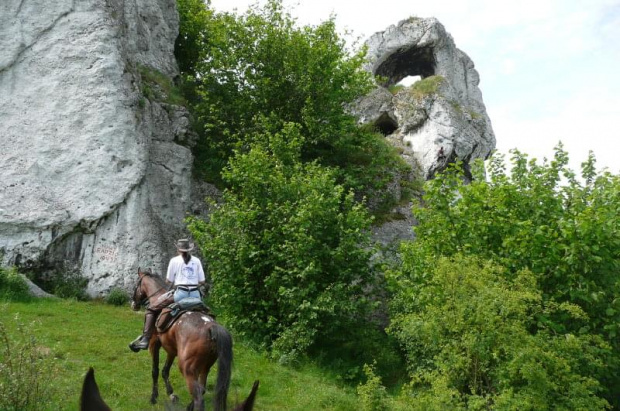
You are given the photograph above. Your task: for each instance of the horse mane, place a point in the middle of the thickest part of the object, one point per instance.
(160, 281)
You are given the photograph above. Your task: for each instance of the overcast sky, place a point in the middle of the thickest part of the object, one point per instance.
(549, 69)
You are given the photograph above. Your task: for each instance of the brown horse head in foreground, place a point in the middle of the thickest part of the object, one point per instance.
(91, 400)
(196, 339)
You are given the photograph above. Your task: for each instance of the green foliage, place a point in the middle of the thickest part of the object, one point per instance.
(12, 286)
(262, 64)
(566, 235)
(372, 393)
(25, 370)
(157, 86)
(395, 88)
(468, 341)
(287, 249)
(426, 86)
(79, 335)
(63, 284)
(117, 296)
(193, 25)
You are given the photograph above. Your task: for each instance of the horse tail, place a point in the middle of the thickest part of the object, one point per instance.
(223, 341)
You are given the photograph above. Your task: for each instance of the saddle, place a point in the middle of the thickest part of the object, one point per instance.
(170, 314)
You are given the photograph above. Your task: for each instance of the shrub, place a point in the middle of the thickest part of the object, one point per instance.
(67, 284)
(540, 218)
(287, 248)
(469, 346)
(26, 371)
(12, 286)
(372, 393)
(117, 296)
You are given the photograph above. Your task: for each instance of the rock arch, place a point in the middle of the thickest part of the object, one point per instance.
(404, 62)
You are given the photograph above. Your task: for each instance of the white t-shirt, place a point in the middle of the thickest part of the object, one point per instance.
(180, 273)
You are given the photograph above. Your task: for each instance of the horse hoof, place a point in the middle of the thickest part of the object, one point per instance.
(174, 399)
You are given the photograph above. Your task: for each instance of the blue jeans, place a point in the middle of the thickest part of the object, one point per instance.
(180, 294)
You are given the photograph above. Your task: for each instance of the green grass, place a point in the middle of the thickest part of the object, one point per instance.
(77, 335)
(427, 86)
(159, 87)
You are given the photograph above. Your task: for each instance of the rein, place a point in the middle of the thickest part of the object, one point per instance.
(146, 299)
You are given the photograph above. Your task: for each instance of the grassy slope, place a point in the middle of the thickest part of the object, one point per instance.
(81, 334)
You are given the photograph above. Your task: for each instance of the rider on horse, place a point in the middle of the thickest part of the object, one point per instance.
(186, 274)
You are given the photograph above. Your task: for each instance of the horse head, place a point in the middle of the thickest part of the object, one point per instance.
(139, 295)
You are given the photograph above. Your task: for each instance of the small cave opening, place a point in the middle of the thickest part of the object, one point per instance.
(406, 66)
(386, 125)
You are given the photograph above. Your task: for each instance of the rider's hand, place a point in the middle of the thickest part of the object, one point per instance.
(204, 290)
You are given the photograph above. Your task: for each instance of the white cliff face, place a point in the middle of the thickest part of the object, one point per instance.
(433, 128)
(92, 176)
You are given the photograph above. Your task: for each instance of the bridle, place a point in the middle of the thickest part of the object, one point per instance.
(145, 300)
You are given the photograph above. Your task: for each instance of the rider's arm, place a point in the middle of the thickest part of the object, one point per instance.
(201, 274)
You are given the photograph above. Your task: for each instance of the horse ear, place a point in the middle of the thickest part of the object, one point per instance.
(140, 272)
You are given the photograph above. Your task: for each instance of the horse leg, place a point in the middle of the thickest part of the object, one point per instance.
(197, 391)
(155, 370)
(191, 373)
(165, 373)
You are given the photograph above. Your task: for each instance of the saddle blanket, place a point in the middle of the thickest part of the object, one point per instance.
(170, 314)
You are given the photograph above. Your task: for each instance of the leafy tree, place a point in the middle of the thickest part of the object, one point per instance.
(194, 17)
(565, 234)
(467, 338)
(262, 64)
(287, 249)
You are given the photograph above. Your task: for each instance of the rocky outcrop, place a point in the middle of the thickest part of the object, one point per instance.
(440, 118)
(435, 121)
(96, 177)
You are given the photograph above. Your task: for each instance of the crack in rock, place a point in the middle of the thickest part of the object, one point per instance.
(38, 36)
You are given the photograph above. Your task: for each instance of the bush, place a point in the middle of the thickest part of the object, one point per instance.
(469, 346)
(287, 249)
(117, 296)
(372, 393)
(26, 371)
(565, 234)
(68, 284)
(12, 286)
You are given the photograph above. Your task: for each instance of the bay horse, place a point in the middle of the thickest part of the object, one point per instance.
(197, 340)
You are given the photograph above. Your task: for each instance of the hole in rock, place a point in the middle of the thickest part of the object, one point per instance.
(386, 125)
(408, 81)
(407, 65)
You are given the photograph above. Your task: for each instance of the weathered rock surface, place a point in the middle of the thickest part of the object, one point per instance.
(436, 121)
(93, 176)
(442, 117)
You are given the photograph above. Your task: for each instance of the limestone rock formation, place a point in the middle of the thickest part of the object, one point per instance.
(434, 121)
(95, 176)
(440, 118)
